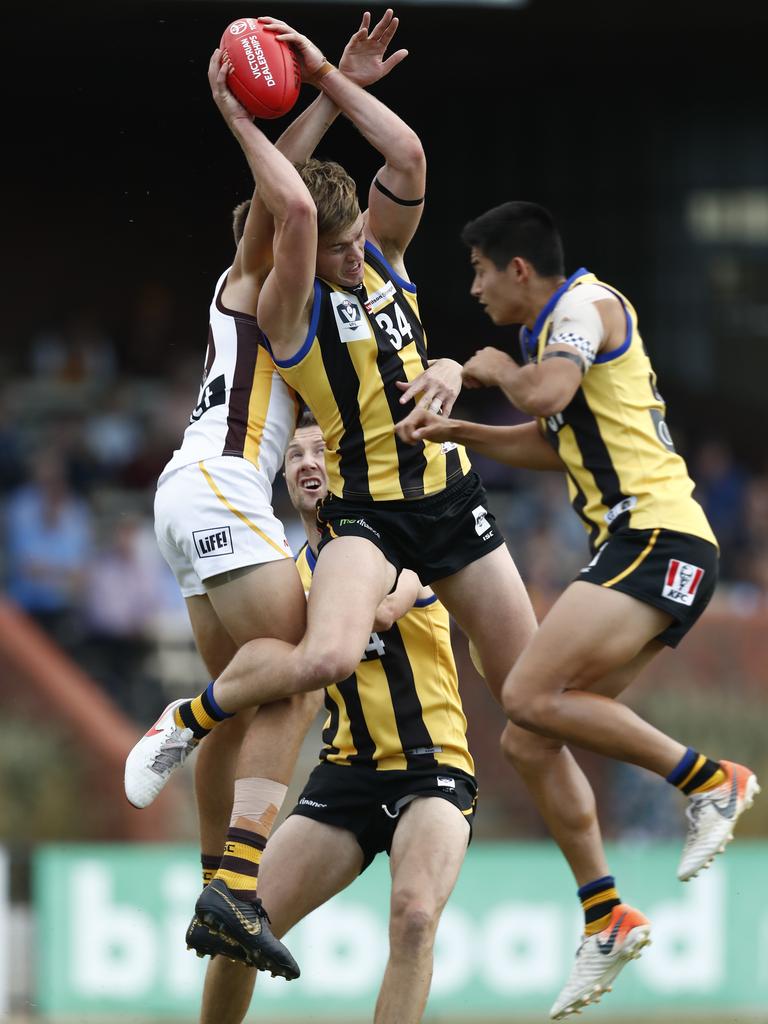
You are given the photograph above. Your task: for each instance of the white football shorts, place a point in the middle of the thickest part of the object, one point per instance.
(215, 516)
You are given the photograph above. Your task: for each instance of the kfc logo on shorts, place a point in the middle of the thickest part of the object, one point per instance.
(213, 542)
(682, 581)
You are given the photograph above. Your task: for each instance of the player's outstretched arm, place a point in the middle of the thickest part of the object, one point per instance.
(363, 61)
(390, 223)
(521, 446)
(543, 389)
(286, 197)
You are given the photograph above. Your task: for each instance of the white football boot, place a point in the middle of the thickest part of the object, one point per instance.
(162, 749)
(599, 959)
(712, 817)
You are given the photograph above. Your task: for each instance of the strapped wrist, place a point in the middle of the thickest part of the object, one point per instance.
(325, 69)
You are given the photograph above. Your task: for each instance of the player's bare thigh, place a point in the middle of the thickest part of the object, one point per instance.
(268, 600)
(305, 863)
(350, 580)
(427, 852)
(489, 601)
(216, 646)
(589, 634)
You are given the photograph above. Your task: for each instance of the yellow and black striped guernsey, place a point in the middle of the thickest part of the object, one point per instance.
(401, 709)
(359, 343)
(622, 467)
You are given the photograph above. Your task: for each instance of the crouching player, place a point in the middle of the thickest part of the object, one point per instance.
(395, 774)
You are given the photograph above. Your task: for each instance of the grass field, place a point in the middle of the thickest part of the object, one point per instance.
(600, 1015)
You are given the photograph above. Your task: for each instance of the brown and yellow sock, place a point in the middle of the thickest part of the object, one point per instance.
(210, 866)
(254, 810)
(598, 899)
(695, 773)
(239, 866)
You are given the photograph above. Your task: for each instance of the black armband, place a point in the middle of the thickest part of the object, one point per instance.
(566, 355)
(396, 199)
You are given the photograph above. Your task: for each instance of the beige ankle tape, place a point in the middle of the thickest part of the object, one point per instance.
(258, 801)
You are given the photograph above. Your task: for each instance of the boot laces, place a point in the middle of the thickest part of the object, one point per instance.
(172, 753)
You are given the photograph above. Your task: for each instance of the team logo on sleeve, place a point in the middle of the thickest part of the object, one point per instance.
(682, 581)
(351, 322)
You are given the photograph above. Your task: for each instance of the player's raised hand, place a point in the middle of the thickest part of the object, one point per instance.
(310, 57)
(218, 70)
(423, 425)
(437, 388)
(363, 58)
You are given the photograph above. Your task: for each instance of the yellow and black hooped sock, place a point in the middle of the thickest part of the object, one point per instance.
(696, 773)
(201, 714)
(239, 866)
(210, 866)
(598, 899)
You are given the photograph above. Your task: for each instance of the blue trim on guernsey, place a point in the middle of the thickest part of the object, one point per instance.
(310, 333)
(407, 286)
(215, 707)
(311, 558)
(606, 357)
(422, 602)
(530, 339)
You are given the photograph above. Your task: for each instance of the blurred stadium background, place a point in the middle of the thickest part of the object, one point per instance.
(643, 128)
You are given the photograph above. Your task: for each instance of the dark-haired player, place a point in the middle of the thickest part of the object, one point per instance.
(395, 774)
(599, 416)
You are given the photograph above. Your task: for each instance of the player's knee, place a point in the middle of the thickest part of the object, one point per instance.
(413, 922)
(303, 707)
(525, 709)
(308, 704)
(524, 748)
(327, 665)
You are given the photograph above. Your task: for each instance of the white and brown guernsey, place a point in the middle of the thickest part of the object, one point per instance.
(244, 408)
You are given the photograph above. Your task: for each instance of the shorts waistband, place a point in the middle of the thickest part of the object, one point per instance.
(412, 504)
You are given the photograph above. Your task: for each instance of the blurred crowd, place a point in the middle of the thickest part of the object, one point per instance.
(84, 434)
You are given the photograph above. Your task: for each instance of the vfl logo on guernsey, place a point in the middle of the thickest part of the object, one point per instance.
(211, 394)
(213, 542)
(351, 322)
(682, 581)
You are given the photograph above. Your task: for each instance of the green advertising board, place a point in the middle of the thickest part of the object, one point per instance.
(110, 923)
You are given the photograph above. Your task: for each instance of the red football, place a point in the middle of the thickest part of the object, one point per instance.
(265, 74)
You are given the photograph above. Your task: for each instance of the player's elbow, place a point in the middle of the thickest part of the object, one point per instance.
(410, 153)
(300, 209)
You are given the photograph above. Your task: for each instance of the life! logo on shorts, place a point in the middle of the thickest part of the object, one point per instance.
(682, 581)
(213, 542)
